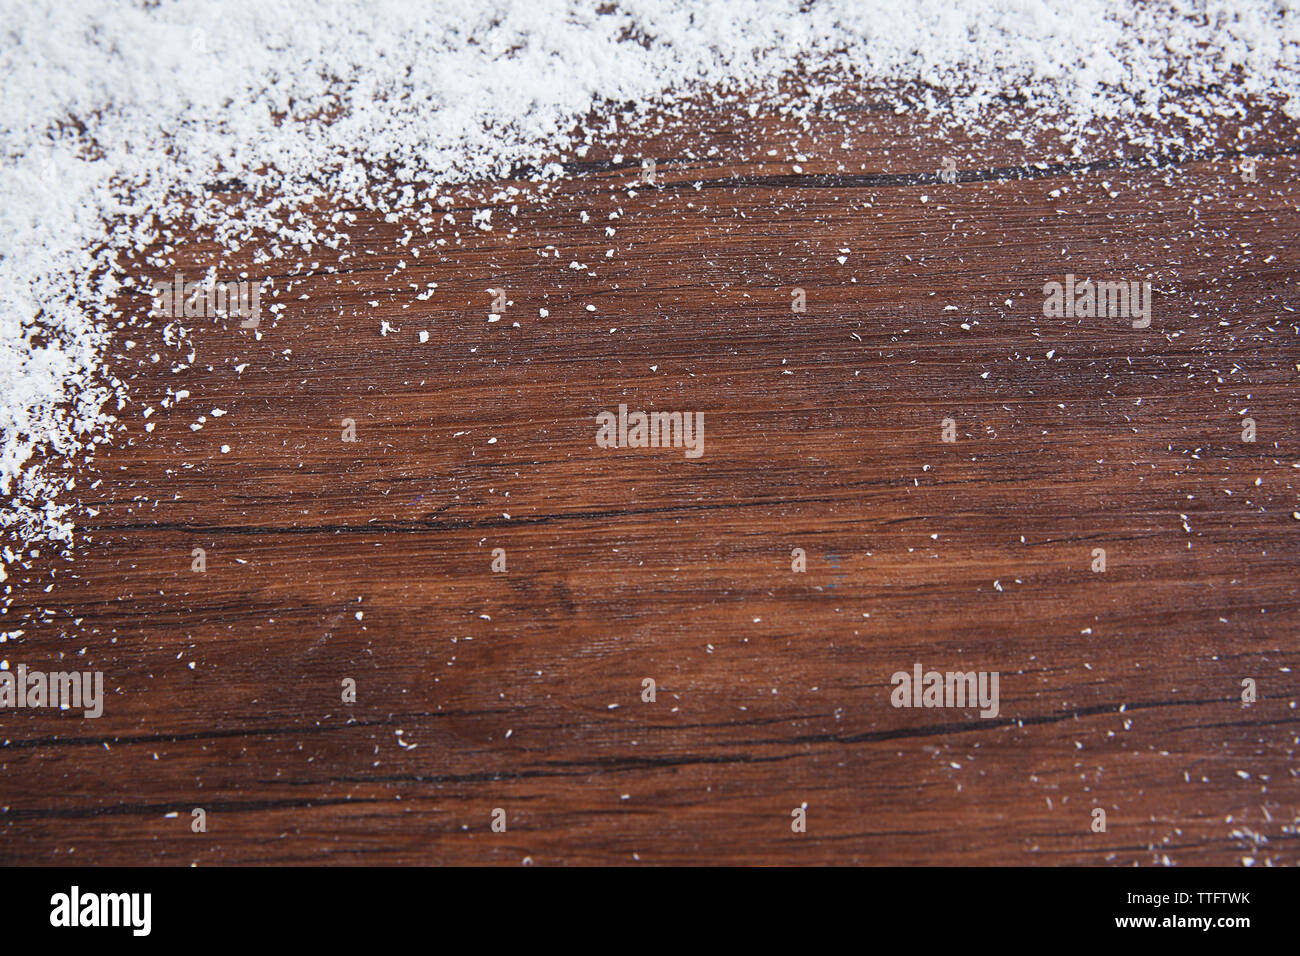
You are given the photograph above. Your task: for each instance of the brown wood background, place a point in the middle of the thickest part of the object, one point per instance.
(521, 690)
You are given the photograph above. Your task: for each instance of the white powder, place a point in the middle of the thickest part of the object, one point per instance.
(116, 115)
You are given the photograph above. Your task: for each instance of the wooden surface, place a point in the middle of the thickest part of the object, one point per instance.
(371, 560)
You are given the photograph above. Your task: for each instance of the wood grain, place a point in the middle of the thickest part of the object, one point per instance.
(522, 690)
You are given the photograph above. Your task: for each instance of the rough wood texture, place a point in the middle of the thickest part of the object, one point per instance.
(522, 690)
